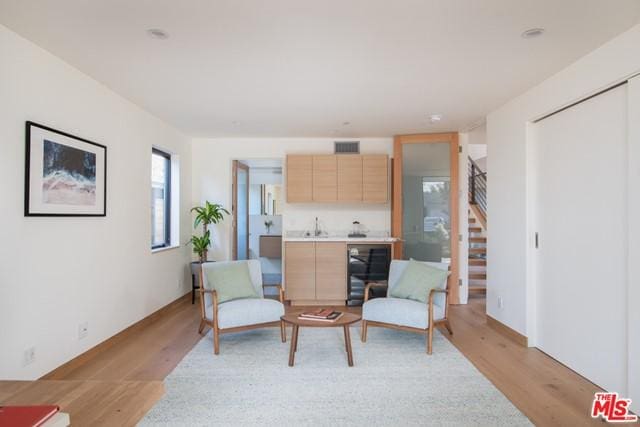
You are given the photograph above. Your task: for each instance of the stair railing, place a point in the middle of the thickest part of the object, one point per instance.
(477, 186)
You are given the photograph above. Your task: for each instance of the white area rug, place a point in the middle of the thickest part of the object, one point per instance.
(394, 382)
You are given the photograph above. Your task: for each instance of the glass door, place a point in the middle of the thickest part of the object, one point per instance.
(241, 210)
(425, 207)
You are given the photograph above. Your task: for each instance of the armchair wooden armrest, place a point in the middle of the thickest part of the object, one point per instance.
(432, 294)
(280, 293)
(368, 287)
(214, 297)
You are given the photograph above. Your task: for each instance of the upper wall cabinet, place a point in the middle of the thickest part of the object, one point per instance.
(349, 178)
(325, 179)
(375, 172)
(344, 178)
(299, 179)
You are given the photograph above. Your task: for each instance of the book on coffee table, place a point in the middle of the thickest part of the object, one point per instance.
(321, 315)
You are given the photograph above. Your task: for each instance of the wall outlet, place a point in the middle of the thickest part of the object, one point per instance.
(83, 330)
(29, 356)
(500, 302)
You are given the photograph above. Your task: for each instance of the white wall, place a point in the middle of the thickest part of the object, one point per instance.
(58, 272)
(633, 239)
(510, 176)
(477, 149)
(212, 181)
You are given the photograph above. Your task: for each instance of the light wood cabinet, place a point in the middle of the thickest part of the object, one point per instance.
(315, 272)
(325, 178)
(299, 179)
(300, 270)
(345, 178)
(331, 271)
(375, 178)
(349, 178)
(270, 246)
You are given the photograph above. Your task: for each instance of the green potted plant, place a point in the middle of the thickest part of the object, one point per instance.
(200, 245)
(210, 213)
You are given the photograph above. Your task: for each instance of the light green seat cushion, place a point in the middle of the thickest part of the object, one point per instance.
(231, 281)
(417, 280)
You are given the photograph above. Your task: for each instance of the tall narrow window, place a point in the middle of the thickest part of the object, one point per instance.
(160, 199)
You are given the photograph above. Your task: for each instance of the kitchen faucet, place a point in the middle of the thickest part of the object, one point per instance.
(317, 231)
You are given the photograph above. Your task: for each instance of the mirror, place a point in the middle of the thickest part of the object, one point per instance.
(271, 199)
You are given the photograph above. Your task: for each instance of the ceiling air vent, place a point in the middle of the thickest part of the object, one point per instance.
(350, 147)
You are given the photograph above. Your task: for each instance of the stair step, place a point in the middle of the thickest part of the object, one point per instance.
(472, 220)
(480, 289)
(478, 276)
(475, 229)
(477, 261)
(477, 240)
(477, 250)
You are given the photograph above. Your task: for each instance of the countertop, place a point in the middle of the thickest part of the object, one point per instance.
(342, 239)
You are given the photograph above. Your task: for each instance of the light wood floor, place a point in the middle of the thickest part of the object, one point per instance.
(117, 387)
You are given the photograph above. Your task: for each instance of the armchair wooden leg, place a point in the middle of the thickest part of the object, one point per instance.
(201, 327)
(216, 341)
(283, 331)
(363, 335)
(429, 339)
(448, 326)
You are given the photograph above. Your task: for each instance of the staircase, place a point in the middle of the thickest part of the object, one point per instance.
(477, 256)
(477, 229)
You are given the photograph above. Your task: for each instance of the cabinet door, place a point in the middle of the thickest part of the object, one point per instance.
(325, 178)
(300, 270)
(375, 178)
(349, 178)
(331, 271)
(299, 179)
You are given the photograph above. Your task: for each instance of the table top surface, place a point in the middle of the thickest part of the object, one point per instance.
(345, 319)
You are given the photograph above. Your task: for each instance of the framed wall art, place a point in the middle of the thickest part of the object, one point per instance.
(64, 175)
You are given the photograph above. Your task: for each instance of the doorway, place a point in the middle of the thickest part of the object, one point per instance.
(425, 200)
(258, 202)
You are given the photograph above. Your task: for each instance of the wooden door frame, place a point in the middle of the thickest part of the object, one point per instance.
(396, 201)
(234, 206)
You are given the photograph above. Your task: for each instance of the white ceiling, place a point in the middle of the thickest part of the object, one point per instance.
(303, 67)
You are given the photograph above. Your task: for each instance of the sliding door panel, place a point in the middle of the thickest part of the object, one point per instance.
(581, 223)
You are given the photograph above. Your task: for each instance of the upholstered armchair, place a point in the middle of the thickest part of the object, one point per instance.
(406, 314)
(239, 314)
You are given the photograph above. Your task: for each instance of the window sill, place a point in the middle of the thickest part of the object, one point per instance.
(166, 248)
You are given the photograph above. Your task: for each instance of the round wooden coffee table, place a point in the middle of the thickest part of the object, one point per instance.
(344, 321)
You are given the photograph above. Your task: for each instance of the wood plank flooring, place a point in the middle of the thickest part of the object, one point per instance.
(119, 385)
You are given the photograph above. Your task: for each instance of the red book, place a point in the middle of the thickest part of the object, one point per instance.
(26, 416)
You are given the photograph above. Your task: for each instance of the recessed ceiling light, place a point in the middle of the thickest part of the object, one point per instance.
(435, 118)
(532, 33)
(157, 33)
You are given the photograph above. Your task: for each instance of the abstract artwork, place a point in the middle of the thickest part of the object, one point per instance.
(65, 174)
